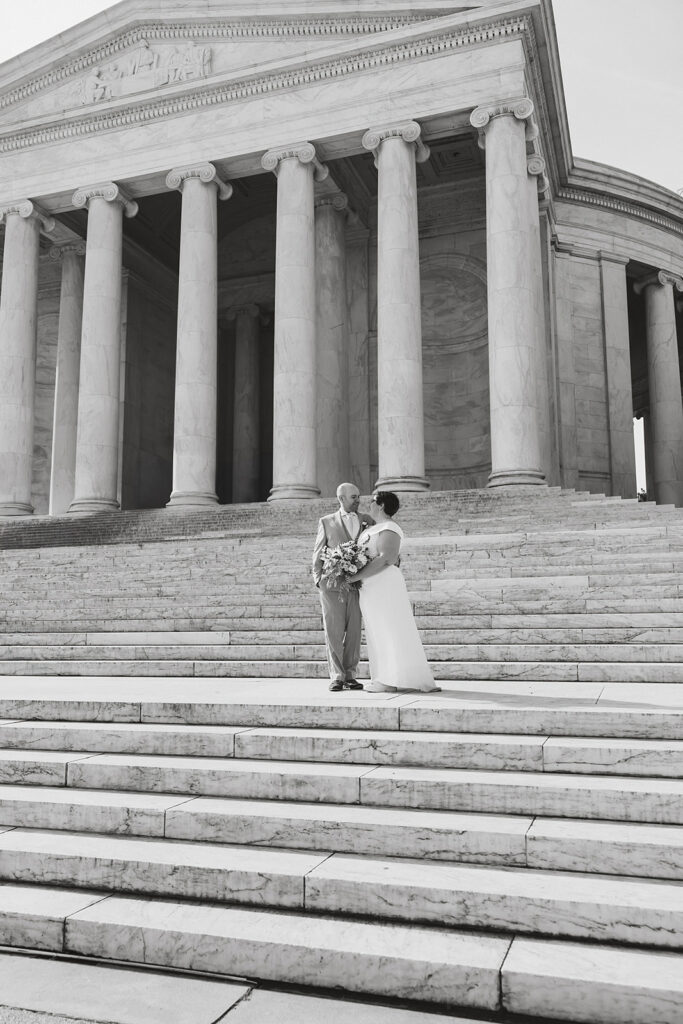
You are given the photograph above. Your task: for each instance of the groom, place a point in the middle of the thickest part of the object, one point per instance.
(341, 609)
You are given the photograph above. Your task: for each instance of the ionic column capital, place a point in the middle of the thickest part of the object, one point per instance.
(304, 152)
(536, 166)
(58, 252)
(409, 131)
(28, 210)
(337, 200)
(109, 191)
(206, 173)
(659, 277)
(246, 309)
(521, 108)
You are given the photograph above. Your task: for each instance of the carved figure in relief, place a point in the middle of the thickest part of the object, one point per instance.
(143, 59)
(145, 68)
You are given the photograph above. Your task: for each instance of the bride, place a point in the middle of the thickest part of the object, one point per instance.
(397, 658)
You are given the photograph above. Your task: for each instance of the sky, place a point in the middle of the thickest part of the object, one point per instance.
(621, 65)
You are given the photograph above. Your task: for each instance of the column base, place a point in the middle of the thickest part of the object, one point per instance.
(293, 492)
(15, 508)
(517, 478)
(189, 499)
(94, 505)
(402, 483)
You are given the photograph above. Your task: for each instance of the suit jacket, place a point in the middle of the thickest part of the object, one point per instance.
(332, 531)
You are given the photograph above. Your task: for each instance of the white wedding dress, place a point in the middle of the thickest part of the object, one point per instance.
(395, 651)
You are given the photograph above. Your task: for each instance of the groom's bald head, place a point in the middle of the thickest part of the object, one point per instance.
(349, 497)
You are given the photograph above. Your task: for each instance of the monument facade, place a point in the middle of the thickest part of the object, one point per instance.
(253, 249)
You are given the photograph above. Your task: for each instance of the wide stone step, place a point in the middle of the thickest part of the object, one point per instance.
(588, 982)
(615, 848)
(558, 904)
(552, 653)
(435, 965)
(663, 758)
(124, 737)
(163, 615)
(658, 801)
(434, 835)
(456, 671)
(646, 851)
(482, 627)
(463, 750)
(149, 702)
(591, 983)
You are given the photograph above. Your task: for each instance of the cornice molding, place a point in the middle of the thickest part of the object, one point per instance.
(206, 173)
(110, 192)
(254, 84)
(585, 198)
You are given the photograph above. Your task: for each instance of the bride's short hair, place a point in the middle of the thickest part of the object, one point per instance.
(388, 502)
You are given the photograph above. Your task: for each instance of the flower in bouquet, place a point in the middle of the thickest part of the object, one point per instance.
(341, 563)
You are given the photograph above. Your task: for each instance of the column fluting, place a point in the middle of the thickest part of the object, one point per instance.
(400, 412)
(97, 436)
(511, 238)
(666, 403)
(196, 384)
(65, 418)
(18, 324)
(294, 372)
(332, 353)
(246, 452)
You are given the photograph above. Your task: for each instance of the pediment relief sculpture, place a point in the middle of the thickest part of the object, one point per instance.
(145, 68)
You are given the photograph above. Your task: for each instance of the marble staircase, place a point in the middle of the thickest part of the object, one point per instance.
(179, 788)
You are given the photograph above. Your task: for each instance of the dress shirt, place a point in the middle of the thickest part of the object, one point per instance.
(352, 523)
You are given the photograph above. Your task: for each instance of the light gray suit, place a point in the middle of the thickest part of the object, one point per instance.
(341, 609)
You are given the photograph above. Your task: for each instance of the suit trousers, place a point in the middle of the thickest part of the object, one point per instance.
(342, 622)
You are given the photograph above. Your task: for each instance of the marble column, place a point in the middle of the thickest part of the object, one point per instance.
(18, 325)
(511, 232)
(65, 417)
(400, 415)
(649, 456)
(294, 373)
(97, 436)
(196, 386)
(538, 185)
(664, 382)
(618, 367)
(246, 415)
(332, 354)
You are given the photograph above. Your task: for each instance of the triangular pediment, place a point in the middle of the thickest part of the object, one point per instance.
(132, 51)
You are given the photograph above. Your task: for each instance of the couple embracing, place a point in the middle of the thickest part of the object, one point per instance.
(397, 658)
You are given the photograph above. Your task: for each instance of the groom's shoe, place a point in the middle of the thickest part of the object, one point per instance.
(353, 684)
(336, 684)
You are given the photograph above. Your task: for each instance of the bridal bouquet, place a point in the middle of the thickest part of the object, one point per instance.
(341, 563)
